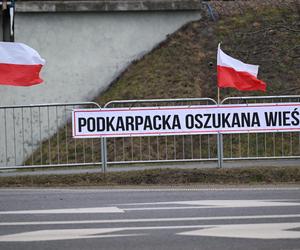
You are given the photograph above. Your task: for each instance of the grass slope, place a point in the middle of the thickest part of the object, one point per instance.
(185, 66)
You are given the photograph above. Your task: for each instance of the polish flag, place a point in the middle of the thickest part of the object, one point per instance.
(233, 73)
(20, 65)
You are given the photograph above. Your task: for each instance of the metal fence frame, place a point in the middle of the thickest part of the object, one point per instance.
(130, 103)
(245, 99)
(39, 106)
(156, 101)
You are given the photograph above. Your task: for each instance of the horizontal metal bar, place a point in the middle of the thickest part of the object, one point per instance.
(160, 161)
(264, 158)
(259, 97)
(146, 162)
(202, 160)
(51, 166)
(159, 100)
(50, 105)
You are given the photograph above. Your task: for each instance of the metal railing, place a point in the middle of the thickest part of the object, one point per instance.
(159, 148)
(41, 136)
(261, 145)
(36, 136)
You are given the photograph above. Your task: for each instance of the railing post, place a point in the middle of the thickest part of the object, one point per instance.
(220, 139)
(220, 150)
(103, 154)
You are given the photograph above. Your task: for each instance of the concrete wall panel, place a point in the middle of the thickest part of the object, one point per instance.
(84, 52)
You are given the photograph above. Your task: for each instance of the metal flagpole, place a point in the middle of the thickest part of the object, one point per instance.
(220, 139)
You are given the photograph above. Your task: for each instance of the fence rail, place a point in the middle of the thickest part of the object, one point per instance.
(159, 148)
(37, 136)
(41, 136)
(261, 145)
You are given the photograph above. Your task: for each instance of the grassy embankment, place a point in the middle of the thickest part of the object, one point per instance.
(185, 66)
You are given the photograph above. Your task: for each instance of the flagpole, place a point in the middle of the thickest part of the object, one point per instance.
(219, 135)
(220, 138)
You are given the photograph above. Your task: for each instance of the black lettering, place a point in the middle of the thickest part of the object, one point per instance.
(255, 120)
(138, 122)
(207, 121)
(271, 118)
(176, 122)
(216, 120)
(120, 124)
(81, 123)
(157, 122)
(165, 122)
(245, 119)
(91, 124)
(198, 123)
(109, 123)
(100, 121)
(286, 118)
(148, 123)
(279, 118)
(189, 121)
(129, 123)
(236, 120)
(296, 121)
(225, 122)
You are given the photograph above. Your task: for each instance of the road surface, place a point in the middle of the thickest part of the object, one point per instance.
(168, 218)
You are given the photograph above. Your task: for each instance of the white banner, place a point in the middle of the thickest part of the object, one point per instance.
(183, 120)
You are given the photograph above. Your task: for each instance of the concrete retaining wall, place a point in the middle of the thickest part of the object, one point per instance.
(84, 52)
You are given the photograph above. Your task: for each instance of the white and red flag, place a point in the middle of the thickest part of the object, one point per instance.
(20, 65)
(233, 73)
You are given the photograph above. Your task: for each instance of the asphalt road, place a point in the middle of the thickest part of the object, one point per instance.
(232, 218)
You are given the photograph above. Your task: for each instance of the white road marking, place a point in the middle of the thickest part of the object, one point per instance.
(217, 204)
(260, 231)
(63, 234)
(68, 211)
(150, 220)
(194, 204)
(163, 208)
(253, 231)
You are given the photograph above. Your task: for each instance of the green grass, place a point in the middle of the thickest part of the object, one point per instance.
(185, 64)
(251, 176)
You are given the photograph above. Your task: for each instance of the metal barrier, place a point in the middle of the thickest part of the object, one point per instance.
(202, 147)
(41, 136)
(159, 148)
(261, 145)
(36, 136)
